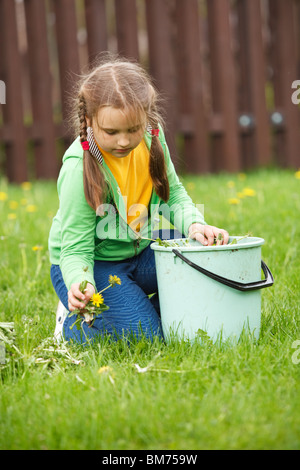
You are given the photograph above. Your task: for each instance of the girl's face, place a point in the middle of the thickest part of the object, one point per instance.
(116, 133)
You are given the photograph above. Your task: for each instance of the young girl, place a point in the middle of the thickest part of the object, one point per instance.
(116, 177)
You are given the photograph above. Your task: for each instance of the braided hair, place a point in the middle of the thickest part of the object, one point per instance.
(93, 182)
(157, 168)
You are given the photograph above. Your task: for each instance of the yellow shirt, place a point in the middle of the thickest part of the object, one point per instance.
(135, 183)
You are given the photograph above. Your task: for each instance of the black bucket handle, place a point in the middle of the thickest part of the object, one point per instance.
(267, 282)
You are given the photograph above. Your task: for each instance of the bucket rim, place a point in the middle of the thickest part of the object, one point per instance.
(244, 242)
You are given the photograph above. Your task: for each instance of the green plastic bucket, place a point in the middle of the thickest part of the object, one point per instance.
(211, 289)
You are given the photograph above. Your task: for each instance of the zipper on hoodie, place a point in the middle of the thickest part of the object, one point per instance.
(137, 237)
(137, 245)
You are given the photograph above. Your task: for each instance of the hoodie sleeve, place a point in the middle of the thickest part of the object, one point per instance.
(78, 222)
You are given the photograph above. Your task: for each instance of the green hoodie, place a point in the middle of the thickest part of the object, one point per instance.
(79, 236)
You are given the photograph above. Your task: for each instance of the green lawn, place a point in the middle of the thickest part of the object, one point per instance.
(241, 395)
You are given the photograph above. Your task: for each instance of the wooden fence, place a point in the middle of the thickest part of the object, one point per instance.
(225, 67)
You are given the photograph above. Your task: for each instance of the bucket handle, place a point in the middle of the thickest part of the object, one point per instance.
(267, 282)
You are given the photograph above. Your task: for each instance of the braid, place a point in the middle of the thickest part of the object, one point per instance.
(158, 171)
(82, 118)
(93, 178)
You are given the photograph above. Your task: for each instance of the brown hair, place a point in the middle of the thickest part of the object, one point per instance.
(125, 85)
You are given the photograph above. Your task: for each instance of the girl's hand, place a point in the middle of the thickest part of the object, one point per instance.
(208, 235)
(77, 299)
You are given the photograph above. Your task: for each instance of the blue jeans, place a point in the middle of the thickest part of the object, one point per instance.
(131, 311)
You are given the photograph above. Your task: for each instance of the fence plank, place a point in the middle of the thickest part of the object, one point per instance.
(162, 63)
(68, 54)
(126, 26)
(190, 86)
(224, 97)
(15, 144)
(252, 63)
(41, 89)
(297, 18)
(95, 17)
(285, 72)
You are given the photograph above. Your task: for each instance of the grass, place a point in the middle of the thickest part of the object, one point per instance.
(142, 395)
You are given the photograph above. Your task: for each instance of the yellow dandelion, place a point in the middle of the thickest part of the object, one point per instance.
(3, 196)
(97, 299)
(105, 370)
(297, 175)
(26, 185)
(230, 184)
(249, 192)
(113, 280)
(13, 204)
(37, 248)
(233, 201)
(12, 216)
(31, 208)
(242, 176)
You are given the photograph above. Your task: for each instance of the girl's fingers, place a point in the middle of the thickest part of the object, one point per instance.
(78, 294)
(75, 298)
(209, 235)
(225, 237)
(89, 291)
(221, 237)
(212, 235)
(78, 299)
(199, 237)
(74, 302)
(196, 232)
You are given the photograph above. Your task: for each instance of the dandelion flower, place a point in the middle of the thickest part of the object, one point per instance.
(242, 176)
(12, 216)
(249, 192)
(297, 175)
(37, 248)
(3, 196)
(26, 185)
(31, 208)
(97, 299)
(233, 201)
(113, 280)
(13, 204)
(105, 369)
